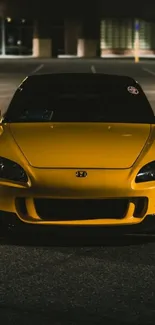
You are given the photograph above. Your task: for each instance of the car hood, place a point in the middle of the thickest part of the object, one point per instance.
(80, 145)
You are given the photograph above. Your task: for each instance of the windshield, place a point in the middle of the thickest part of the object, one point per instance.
(79, 98)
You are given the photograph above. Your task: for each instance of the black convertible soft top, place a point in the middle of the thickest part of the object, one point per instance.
(79, 97)
(84, 78)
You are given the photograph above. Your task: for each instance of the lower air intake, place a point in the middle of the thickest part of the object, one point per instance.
(64, 209)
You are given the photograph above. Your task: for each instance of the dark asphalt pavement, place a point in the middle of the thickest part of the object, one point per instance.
(46, 279)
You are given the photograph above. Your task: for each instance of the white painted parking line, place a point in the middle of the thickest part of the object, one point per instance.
(149, 71)
(38, 68)
(93, 70)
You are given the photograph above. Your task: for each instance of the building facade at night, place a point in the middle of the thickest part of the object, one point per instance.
(16, 36)
(115, 37)
(53, 29)
(118, 36)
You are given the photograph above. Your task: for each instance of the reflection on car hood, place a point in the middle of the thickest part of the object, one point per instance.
(82, 145)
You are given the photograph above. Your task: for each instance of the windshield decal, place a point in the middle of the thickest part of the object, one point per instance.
(133, 90)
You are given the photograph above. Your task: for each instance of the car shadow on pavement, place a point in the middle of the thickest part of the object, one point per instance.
(74, 237)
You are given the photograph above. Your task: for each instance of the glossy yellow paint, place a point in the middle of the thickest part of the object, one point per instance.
(80, 145)
(112, 155)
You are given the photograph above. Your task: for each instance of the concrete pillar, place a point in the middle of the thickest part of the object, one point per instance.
(42, 43)
(87, 48)
(70, 37)
(88, 38)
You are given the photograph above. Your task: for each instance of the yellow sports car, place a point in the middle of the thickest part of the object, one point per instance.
(78, 149)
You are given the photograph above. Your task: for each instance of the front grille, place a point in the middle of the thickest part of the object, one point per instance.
(64, 209)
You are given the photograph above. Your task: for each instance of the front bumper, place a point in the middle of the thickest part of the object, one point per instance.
(10, 222)
(58, 184)
(95, 212)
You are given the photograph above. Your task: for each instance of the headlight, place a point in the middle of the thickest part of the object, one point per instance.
(10, 170)
(146, 173)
